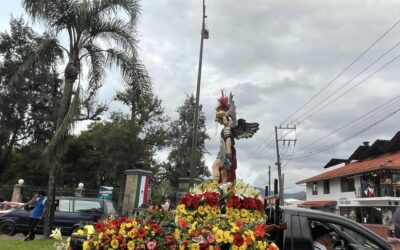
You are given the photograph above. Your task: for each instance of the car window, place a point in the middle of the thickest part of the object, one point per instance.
(346, 232)
(360, 238)
(110, 207)
(63, 205)
(87, 206)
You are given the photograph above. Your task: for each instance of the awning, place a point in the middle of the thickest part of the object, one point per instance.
(311, 204)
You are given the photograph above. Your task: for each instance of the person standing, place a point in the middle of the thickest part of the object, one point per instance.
(37, 214)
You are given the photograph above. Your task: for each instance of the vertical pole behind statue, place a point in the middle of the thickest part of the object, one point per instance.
(193, 168)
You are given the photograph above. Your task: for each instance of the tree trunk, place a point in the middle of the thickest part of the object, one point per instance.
(71, 74)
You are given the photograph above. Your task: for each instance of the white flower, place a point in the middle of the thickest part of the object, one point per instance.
(56, 234)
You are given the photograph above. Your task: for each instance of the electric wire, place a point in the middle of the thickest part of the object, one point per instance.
(306, 115)
(371, 112)
(344, 70)
(309, 154)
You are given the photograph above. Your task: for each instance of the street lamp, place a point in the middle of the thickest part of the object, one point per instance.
(204, 35)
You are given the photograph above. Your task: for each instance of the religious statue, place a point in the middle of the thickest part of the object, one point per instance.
(224, 167)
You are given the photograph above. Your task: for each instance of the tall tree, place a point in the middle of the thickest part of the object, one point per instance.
(86, 23)
(181, 132)
(27, 106)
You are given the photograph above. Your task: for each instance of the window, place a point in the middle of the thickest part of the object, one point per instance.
(347, 184)
(347, 234)
(327, 189)
(81, 205)
(314, 188)
(63, 205)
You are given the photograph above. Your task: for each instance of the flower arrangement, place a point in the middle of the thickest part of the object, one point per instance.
(128, 233)
(228, 216)
(210, 216)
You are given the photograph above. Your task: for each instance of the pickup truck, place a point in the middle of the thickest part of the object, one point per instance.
(346, 235)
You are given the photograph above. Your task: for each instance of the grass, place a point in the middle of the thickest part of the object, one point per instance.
(39, 244)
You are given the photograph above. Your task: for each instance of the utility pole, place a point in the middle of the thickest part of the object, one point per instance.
(278, 157)
(204, 35)
(269, 179)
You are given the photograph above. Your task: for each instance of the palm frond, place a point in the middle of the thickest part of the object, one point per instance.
(96, 68)
(56, 146)
(107, 7)
(117, 30)
(133, 71)
(55, 13)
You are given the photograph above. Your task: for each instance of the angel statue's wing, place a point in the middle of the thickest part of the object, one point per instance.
(244, 129)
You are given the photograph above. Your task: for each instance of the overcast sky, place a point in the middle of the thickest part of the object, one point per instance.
(274, 56)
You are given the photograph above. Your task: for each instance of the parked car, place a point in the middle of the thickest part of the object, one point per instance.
(70, 213)
(346, 235)
(8, 206)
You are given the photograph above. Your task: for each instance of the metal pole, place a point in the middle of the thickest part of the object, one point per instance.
(269, 179)
(278, 165)
(193, 168)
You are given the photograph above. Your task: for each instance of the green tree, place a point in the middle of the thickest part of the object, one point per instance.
(86, 23)
(182, 133)
(27, 106)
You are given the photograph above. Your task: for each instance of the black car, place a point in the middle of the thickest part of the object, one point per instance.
(346, 234)
(70, 213)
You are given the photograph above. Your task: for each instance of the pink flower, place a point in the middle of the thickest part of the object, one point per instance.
(210, 238)
(152, 244)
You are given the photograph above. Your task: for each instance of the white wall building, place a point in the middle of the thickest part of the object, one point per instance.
(364, 188)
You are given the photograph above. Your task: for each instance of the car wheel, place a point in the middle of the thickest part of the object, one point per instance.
(7, 228)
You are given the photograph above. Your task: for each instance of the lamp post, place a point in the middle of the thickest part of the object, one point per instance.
(204, 35)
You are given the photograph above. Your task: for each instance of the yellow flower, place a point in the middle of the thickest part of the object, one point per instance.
(236, 212)
(122, 226)
(207, 209)
(134, 223)
(211, 247)
(244, 212)
(177, 234)
(189, 218)
(200, 210)
(86, 245)
(114, 244)
(131, 245)
(182, 247)
(142, 246)
(128, 225)
(89, 229)
(261, 245)
(194, 246)
(80, 232)
(122, 231)
(243, 247)
(227, 235)
(132, 233)
(219, 236)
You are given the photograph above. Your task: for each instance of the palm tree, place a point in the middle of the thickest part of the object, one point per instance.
(97, 34)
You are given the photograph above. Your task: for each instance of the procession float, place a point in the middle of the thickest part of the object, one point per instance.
(222, 213)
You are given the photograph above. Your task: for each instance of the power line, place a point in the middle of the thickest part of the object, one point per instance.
(346, 68)
(382, 106)
(305, 116)
(309, 154)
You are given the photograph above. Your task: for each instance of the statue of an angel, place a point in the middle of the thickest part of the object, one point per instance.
(224, 167)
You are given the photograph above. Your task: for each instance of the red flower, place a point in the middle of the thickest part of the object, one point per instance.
(169, 239)
(99, 226)
(141, 232)
(238, 240)
(155, 227)
(239, 224)
(234, 202)
(172, 247)
(259, 230)
(259, 205)
(195, 233)
(183, 224)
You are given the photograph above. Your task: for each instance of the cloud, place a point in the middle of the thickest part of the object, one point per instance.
(274, 56)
